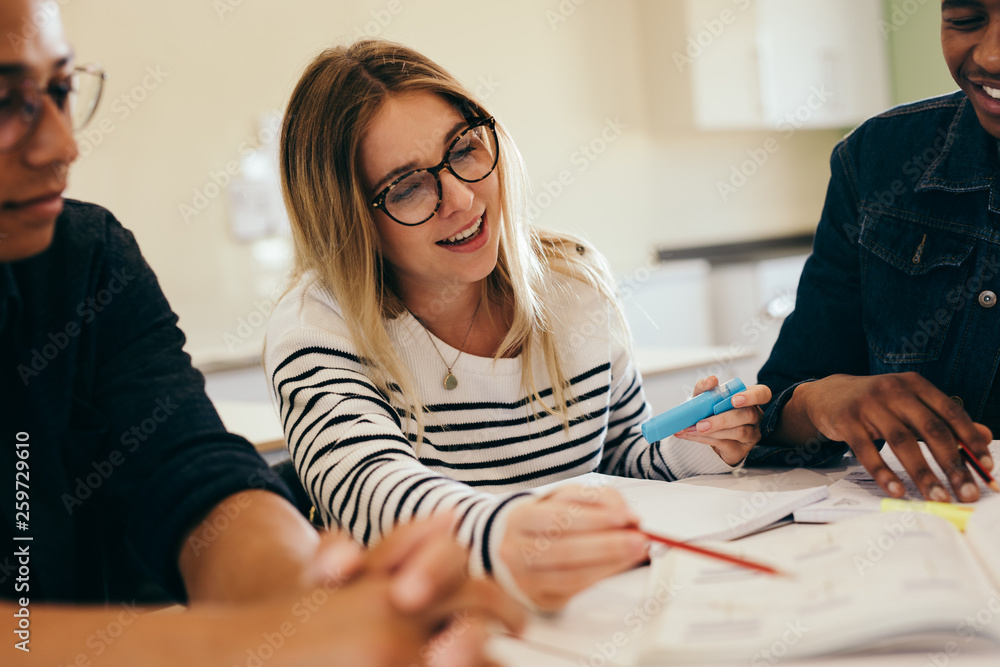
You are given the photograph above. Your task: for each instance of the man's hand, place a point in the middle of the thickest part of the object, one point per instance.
(901, 409)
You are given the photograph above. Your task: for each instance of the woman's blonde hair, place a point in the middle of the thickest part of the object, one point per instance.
(334, 229)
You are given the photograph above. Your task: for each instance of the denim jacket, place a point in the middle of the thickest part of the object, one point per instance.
(904, 270)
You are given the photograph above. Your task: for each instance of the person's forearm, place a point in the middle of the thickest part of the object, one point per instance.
(253, 545)
(125, 636)
(794, 426)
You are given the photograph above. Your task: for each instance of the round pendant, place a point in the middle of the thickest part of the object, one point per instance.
(450, 381)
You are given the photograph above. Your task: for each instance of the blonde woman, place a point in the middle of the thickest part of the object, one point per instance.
(436, 352)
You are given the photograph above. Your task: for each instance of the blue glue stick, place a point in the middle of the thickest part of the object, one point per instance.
(690, 412)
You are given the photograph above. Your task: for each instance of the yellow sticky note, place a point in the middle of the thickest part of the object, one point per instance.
(956, 514)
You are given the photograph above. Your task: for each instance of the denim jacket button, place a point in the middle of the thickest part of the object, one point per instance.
(987, 299)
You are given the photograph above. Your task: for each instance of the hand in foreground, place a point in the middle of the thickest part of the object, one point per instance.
(733, 433)
(558, 545)
(410, 602)
(901, 409)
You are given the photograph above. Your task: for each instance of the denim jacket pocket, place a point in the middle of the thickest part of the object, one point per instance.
(909, 270)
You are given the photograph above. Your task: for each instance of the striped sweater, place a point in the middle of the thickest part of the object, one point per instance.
(485, 443)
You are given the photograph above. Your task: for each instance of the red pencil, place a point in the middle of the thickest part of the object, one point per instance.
(749, 564)
(971, 459)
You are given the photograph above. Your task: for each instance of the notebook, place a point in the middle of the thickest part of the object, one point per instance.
(871, 581)
(688, 512)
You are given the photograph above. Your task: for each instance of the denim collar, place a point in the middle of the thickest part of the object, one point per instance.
(10, 296)
(968, 160)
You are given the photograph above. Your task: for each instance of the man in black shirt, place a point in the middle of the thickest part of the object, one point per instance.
(117, 468)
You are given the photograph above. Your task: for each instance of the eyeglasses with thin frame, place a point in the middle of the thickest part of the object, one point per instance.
(414, 198)
(21, 103)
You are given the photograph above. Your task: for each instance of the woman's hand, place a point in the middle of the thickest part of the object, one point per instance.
(559, 545)
(733, 433)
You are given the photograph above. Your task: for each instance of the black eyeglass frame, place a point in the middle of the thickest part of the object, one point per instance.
(378, 202)
(90, 69)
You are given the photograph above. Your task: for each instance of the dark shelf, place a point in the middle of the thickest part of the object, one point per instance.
(736, 253)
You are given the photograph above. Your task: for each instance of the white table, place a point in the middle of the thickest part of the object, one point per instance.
(584, 635)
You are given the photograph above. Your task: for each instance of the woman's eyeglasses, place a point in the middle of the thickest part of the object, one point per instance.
(414, 198)
(21, 102)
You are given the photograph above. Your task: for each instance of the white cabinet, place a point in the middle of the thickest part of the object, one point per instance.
(785, 64)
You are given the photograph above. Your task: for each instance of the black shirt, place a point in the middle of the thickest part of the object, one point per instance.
(125, 451)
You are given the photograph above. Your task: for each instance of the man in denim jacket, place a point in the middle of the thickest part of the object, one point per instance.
(895, 328)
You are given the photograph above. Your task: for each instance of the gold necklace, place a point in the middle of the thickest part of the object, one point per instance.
(450, 381)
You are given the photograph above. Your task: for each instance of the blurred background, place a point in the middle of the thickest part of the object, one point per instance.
(688, 140)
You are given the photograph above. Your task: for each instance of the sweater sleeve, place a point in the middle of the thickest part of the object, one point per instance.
(626, 452)
(349, 447)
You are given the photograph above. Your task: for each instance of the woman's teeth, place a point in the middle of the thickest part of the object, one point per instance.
(461, 236)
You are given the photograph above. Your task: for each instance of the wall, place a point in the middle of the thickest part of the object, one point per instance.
(589, 90)
(913, 28)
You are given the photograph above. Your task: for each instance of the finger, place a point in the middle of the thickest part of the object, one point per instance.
(481, 597)
(433, 572)
(337, 559)
(917, 418)
(957, 423)
(706, 384)
(405, 540)
(596, 496)
(903, 443)
(983, 454)
(618, 548)
(730, 419)
(861, 444)
(730, 451)
(758, 394)
(545, 518)
(461, 644)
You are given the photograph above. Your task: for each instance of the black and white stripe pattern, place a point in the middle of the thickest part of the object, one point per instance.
(485, 443)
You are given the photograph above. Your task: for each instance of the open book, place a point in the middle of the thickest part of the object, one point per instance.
(857, 493)
(688, 512)
(870, 581)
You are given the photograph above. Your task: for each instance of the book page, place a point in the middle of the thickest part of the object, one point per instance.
(854, 584)
(983, 535)
(861, 478)
(686, 512)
